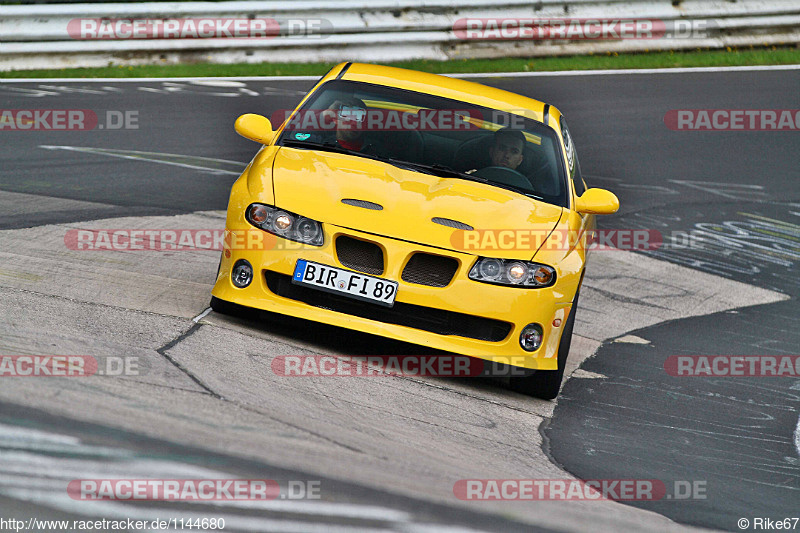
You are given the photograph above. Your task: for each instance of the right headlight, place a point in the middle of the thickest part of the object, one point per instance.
(285, 224)
(513, 272)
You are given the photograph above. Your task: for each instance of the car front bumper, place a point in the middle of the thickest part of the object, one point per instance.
(465, 316)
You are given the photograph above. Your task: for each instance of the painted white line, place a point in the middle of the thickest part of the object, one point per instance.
(150, 80)
(632, 339)
(607, 72)
(797, 437)
(118, 511)
(136, 152)
(16, 435)
(201, 316)
(143, 156)
(676, 70)
(28, 469)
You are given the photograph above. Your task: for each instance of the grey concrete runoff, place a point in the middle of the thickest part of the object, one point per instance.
(209, 383)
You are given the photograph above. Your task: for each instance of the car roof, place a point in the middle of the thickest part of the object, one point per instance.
(453, 88)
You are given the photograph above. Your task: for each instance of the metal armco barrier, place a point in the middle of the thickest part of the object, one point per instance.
(60, 35)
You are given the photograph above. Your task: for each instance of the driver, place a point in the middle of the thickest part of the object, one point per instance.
(349, 114)
(507, 148)
(506, 151)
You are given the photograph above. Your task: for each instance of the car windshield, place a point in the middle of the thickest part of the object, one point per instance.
(433, 135)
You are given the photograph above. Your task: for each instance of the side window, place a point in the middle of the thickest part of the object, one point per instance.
(572, 160)
(580, 185)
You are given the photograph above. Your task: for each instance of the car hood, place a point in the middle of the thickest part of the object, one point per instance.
(315, 183)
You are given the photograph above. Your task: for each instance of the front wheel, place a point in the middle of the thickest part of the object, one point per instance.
(546, 384)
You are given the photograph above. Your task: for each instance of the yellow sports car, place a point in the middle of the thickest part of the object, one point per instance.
(419, 207)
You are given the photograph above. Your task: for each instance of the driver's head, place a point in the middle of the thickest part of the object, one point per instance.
(507, 148)
(350, 114)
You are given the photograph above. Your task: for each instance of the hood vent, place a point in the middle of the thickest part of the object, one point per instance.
(451, 223)
(362, 203)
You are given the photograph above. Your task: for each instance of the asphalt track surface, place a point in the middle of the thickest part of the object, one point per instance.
(619, 417)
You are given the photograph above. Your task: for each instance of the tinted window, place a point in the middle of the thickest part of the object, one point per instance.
(424, 130)
(572, 158)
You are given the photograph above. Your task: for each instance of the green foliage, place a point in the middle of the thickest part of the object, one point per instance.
(696, 58)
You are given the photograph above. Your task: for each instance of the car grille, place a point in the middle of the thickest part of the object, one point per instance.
(429, 319)
(431, 270)
(360, 255)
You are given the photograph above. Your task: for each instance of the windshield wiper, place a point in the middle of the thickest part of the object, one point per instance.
(436, 170)
(326, 146)
(445, 171)
(529, 194)
(453, 173)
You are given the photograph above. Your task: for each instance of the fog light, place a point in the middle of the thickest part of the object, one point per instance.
(242, 274)
(531, 337)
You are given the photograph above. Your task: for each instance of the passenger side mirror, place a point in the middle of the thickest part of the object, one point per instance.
(254, 127)
(597, 202)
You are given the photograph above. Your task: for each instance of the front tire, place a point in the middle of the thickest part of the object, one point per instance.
(546, 384)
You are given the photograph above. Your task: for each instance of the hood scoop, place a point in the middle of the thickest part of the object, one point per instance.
(450, 223)
(362, 203)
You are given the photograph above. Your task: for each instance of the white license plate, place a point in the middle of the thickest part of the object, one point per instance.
(346, 282)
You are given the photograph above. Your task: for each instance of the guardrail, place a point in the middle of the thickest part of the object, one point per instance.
(49, 36)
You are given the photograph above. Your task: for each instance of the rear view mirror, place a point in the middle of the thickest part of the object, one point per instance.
(254, 127)
(597, 202)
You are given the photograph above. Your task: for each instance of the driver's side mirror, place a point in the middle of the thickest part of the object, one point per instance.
(254, 127)
(597, 202)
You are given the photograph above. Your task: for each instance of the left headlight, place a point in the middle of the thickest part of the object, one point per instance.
(513, 272)
(285, 224)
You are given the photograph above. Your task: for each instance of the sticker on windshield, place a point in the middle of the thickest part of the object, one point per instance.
(302, 136)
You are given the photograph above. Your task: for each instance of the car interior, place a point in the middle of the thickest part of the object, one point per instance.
(463, 150)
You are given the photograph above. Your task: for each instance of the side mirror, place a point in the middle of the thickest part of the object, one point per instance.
(254, 127)
(597, 202)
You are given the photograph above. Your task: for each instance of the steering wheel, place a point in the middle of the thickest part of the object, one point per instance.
(542, 180)
(505, 176)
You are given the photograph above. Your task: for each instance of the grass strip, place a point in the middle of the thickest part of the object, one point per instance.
(695, 58)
